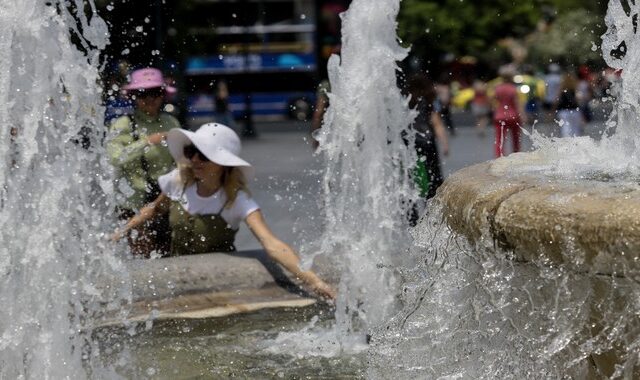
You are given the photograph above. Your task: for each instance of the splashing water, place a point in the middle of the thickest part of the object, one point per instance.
(55, 189)
(366, 183)
(473, 310)
(616, 154)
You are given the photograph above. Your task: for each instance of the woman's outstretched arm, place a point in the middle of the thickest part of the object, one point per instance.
(284, 255)
(159, 206)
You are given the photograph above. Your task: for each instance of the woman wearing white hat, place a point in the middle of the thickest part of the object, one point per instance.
(207, 198)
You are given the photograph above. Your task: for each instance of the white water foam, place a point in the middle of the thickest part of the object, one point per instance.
(366, 182)
(55, 190)
(473, 311)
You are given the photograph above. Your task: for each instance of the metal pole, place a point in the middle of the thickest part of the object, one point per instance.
(249, 130)
(159, 33)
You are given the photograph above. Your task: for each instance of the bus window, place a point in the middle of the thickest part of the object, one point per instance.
(265, 52)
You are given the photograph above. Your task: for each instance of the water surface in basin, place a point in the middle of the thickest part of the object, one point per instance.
(240, 346)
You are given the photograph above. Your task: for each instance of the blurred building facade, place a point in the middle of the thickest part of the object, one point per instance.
(270, 53)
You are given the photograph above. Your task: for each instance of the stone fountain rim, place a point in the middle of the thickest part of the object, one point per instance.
(518, 211)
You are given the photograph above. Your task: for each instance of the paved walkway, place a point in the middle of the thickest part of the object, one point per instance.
(288, 174)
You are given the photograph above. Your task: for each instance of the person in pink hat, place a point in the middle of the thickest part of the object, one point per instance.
(136, 149)
(207, 198)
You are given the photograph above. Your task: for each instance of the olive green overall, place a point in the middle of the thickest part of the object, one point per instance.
(192, 234)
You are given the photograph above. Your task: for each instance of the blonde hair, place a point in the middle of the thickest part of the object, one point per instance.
(232, 181)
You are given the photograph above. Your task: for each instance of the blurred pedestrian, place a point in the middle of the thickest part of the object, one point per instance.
(429, 128)
(481, 106)
(223, 114)
(552, 81)
(534, 90)
(570, 116)
(207, 198)
(442, 103)
(136, 150)
(508, 112)
(322, 103)
(584, 92)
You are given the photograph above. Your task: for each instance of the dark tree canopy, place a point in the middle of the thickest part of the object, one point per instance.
(435, 28)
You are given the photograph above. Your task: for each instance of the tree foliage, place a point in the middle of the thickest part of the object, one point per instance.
(573, 39)
(464, 27)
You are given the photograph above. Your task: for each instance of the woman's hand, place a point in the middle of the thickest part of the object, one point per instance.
(323, 290)
(284, 255)
(156, 138)
(117, 235)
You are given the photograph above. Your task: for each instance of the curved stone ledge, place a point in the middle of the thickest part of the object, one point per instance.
(589, 225)
(206, 286)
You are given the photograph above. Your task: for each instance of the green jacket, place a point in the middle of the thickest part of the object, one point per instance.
(126, 154)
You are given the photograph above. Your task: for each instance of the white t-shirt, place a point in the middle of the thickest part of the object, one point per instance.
(195, 204)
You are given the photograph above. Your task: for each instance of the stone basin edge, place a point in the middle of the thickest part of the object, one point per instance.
(590, 227)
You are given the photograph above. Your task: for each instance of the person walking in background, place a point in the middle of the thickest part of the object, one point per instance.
(442, 104)
(207, 198)
(584, 92)
(570, 116)
(322, 103)
(552, 81)
(223, 113)
(508, 111)
(135, 148)
(534, 91)
(481, 106)
(429, 128)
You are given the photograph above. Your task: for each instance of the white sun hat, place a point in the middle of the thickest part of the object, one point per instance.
(219, 143)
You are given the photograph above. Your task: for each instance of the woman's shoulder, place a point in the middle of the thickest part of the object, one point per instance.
(243, 204)
(243, 197)
(170, 184)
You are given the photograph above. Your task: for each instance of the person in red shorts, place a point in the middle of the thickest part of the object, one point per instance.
(508, 114)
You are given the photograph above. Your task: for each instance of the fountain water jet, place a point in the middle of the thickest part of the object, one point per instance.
(528, 266)
(366, 182)
(54, 191)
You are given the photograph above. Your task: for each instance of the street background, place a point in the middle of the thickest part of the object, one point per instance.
(287, 185)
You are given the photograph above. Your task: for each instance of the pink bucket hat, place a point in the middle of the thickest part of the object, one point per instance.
(149, 77)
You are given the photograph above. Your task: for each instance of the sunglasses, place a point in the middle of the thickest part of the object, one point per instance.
(153, 93)
(190, 151)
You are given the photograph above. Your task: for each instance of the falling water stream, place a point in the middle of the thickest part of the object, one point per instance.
(54, 191)
(474, 310)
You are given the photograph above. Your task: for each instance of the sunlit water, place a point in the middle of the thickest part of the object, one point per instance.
(57, 197)
(440, 308)
(473, 311)
(366, 183)
(240, 346)
(53, 192)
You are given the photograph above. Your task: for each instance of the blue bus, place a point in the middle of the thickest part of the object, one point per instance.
(279, 85)
(268, 62)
